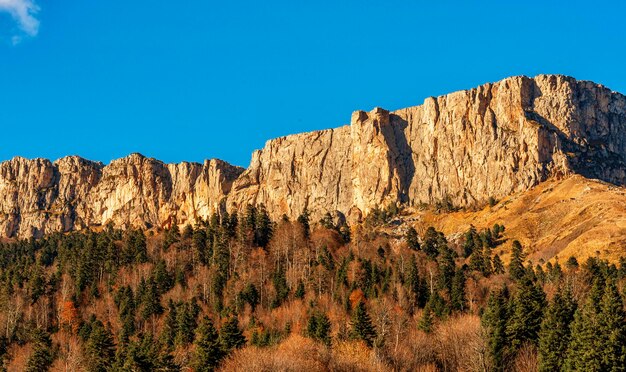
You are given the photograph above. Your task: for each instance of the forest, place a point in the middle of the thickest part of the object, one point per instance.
(243, 292)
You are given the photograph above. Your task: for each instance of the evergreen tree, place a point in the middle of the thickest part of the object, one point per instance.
(300, 290)
(208, 352)
(231, 336)
(185, 324)
(263, 227)
(457, 295)
(427, 320)
(170, 326)
(554, 335)
(584, 353)
(318, 328)
(100, 348)
(303, 220)
(526, 314)
(516, 266)
(41, 358)
(612, 329)
(498, 265)
(494, 320)
(362, 327)
(412, 239)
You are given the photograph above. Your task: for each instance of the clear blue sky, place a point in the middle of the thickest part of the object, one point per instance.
(192, 79)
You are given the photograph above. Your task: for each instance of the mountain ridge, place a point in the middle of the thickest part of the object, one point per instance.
(464, 147)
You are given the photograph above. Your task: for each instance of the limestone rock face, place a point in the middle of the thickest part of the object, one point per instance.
(464, 147)
(38, 197)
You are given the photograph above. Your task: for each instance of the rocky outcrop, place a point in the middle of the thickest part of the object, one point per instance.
(464, 147)
(37, 196)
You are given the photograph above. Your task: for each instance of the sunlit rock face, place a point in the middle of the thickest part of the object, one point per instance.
(464, 147)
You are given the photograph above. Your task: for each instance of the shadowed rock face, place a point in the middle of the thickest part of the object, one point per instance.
(467, 146)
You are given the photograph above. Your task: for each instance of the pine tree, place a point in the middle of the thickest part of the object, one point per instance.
(427, 320)
(612, 329)
(303, 220)
(263, 227)
(412, 239)
(584, 353)
(41, 358)
(185, 324)
(494, 320)
(516, 266)
(498, 265)
(362, 327)
(170, 327)
(457, 295)
(231, 336)
(100, 348)
(318, 328)
(526, 314)
(208, 353)
(554, 336)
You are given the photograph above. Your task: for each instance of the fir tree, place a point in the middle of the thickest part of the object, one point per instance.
(231, 336)
(318, 328)
(300, 290)
(584, 353)
(99, 349)
(516, 266)
(41, 358)
(612, 329)
(525, 314)
(208, 352)
(412, 239)
(498, 265)
(494, 320)
(554, 335)
(303, 220)
(362, 327)
(427, 320)
(457, 295)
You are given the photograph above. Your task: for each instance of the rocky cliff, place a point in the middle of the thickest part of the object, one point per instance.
(464, 147)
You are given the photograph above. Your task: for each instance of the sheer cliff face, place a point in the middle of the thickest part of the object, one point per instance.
(37, 196)
(467, 146)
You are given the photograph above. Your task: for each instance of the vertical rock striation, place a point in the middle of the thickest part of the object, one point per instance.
(464, 147)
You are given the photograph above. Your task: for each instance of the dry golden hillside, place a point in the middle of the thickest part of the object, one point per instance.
(557, 219)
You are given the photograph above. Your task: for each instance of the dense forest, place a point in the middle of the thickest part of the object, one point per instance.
(243, 292)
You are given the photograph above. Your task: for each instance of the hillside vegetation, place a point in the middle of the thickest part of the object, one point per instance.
(248, 293)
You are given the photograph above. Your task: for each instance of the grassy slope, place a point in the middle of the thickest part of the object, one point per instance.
(555, 220)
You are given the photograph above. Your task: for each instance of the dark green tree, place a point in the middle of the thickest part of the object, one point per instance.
(412, 239)
(318, 328)
(209, 352)
(554, 335)
(516, 266)
(612, 329)
(494, 320)
(231, 336)
(99, 349)
(526, 314)
(362, 327)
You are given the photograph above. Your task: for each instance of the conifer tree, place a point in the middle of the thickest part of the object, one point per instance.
(516, 266)
(300, 290)
(208, 352)
(457, 295)
(498, 265)
(427, 320)
(554, 336)
(362, 327)
(303, 220)
(41, 358)
(612, 329)
(231, 336)
(100, 348)
(494, 320)
(318, 328)
(584, 353)
(526, 314)
(412, 239)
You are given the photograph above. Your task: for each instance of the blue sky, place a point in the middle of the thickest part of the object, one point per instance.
(189, 80)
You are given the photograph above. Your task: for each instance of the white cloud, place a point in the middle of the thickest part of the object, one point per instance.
(23, 12)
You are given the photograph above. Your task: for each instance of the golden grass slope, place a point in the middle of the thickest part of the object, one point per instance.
(557, 219)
